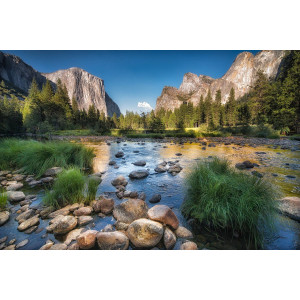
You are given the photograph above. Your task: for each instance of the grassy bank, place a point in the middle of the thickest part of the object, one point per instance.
(261, 131)
(3, 198)
(35, 157)
(72, 186)
(225, 200)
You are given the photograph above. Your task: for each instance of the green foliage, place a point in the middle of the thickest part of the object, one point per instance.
(72, 186)
(3, 198)
(67, 189)
(36, 157)
(92, 187)
(226, 200)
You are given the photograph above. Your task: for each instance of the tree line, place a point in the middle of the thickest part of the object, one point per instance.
(274, 102)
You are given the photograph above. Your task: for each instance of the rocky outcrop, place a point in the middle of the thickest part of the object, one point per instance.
(14, 70)
(85, 87)
(240, 76)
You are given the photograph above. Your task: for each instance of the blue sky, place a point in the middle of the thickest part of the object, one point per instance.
(134, 76)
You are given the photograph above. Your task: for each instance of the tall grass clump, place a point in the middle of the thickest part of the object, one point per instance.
(92, 187)
(3, 199)
(72, 186)
(35, 157)
(229, 201)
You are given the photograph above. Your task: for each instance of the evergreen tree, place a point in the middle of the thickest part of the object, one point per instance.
(231, 109)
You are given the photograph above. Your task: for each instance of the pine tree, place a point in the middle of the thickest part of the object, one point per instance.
(208, 110)
(231, 109)
(217, 108)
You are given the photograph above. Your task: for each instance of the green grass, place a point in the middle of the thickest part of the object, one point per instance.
(3, 199)
(74, 132)
(226, 200)
(71, 186)
(146, 135)
(35, 157)
(92, 186)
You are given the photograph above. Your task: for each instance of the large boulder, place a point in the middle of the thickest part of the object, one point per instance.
(13, 196)
(290, 206)
(29, 223)
(163, 214)
(130, 210)
(169, 238)
(87, 239)
(115, 240)
(104, 205)
(139, 174)
(4, 216)
(72, 235)
(120, 180)
(66, 224)
(53, 171)
(144, 233)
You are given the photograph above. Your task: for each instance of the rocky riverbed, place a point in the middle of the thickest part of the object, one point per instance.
(138, 202)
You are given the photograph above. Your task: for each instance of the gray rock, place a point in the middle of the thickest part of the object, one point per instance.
(120, 180)
(155, 198)
(140, 163)
(66, 224)
(139, 174)
(29, 223)
(22, 244)
(14, 187)
(53, 171)
(119, 154)
(112, 240)
(15, 196)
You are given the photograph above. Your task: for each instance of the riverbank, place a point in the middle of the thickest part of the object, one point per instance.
(154, 172)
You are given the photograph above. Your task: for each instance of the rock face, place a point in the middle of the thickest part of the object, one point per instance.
(86, 88)
(18, 73)
(240, 76)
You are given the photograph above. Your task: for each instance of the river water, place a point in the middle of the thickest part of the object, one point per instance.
(274, 164)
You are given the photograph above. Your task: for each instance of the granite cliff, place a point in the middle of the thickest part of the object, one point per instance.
(240, 76)
(86, 88)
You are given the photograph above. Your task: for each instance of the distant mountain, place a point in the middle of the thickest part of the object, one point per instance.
(86, 88)
(240, 76)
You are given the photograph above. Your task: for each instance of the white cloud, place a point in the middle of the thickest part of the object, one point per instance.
(144, 105)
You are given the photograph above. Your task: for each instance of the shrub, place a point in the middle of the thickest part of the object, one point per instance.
(72, 186)
(3, 198)
(67, 188)
(229, 201)
(35, 157)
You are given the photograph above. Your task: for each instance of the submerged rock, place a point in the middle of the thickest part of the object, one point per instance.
(130, 210)
(163, 214)
(160, 169)
(120, 180)
(140, 163)
(144, 233)
(119, 154)
(22, 244)
(155, 198)
(290, 206)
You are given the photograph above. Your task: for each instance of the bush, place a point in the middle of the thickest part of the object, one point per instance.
(229, 201)
(3, 198)
(72, 186)
(35, 157)
(264, 131)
